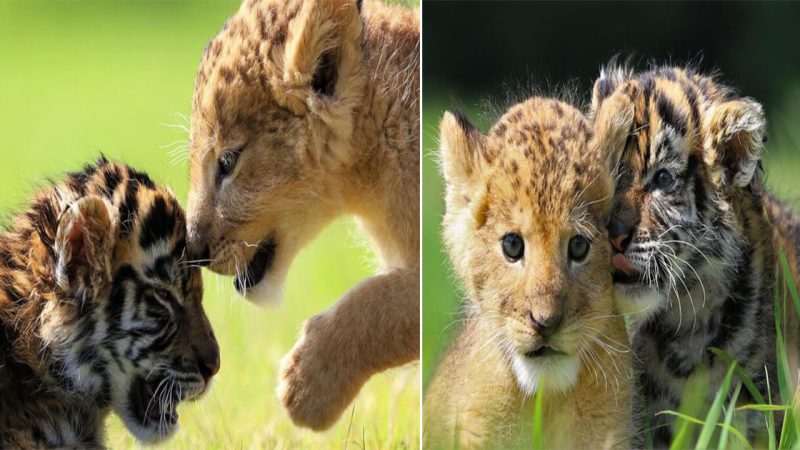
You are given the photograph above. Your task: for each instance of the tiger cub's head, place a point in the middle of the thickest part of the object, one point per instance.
(525, 227)
(124, 321)
(689, 164)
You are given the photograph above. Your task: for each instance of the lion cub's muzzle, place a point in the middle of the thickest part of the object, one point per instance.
(257, 267)
(199, 255)
(542, 328)
(198, 250)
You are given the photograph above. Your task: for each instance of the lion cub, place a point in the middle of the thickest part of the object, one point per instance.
(525, 227)
(303, 111)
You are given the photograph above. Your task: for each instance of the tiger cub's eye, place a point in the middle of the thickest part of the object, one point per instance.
(578, 248)
(164, 294)
(513, 247)
(663, 179)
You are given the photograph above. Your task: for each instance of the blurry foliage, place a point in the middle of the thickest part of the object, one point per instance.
(474, 47)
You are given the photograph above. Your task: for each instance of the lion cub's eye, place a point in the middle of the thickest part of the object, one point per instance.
(513, 247)
(663, 179)
(578, 248)
(227, 162)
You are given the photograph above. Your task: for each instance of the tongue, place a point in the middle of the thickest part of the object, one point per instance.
(621, 263)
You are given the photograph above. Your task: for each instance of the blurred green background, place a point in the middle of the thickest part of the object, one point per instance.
(81, 78)
(474, 52)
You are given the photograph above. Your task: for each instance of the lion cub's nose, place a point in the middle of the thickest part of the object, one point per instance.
(200, 256)
(545, 325)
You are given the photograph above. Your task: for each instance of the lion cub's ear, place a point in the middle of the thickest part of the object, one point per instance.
(323, 55)
(462, 150)
(734, 139)
(84, 245)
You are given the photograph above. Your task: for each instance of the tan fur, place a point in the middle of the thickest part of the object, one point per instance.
(538, 173)
(307, 156)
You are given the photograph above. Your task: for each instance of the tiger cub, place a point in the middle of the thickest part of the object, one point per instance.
(525, 227)
(695, 235)
(99, 312)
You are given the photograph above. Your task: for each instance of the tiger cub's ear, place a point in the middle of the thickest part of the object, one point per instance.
(611, 77)
(734, 139)
(84, 245)
(613, 123)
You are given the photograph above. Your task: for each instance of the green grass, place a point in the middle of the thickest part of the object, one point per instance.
(710, 432)
(700, 425)
(81, 78)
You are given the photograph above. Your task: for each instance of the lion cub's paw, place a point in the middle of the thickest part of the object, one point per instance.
(317, 379)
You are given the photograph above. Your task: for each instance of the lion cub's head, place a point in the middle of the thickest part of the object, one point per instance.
(272, 118)
(525, 226)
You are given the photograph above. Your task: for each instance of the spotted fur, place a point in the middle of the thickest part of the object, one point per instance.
(702, 247)
(314, 107)
(99, 312)
(320, 101)
(545, 323)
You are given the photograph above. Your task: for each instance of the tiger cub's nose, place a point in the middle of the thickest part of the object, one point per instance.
(208, 360)
(620, 235)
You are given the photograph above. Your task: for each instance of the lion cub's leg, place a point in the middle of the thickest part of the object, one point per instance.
(375, 326)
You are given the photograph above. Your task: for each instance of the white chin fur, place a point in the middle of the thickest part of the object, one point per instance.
(551, 373)
(151, 435)
(638, 302)
(145, 435)
(268, 292)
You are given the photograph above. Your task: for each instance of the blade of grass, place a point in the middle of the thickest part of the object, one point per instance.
(748, 383)
(694, 401)
(794, 409)
(681, 438)
(723, 434)
(787, 275)
(784, 378)
(457, 439)
(538, 436)
(754, 407)
(771, 438)
(689, 419)
(754, 392)
(716, 408)
(789, 431)
(783, 364)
